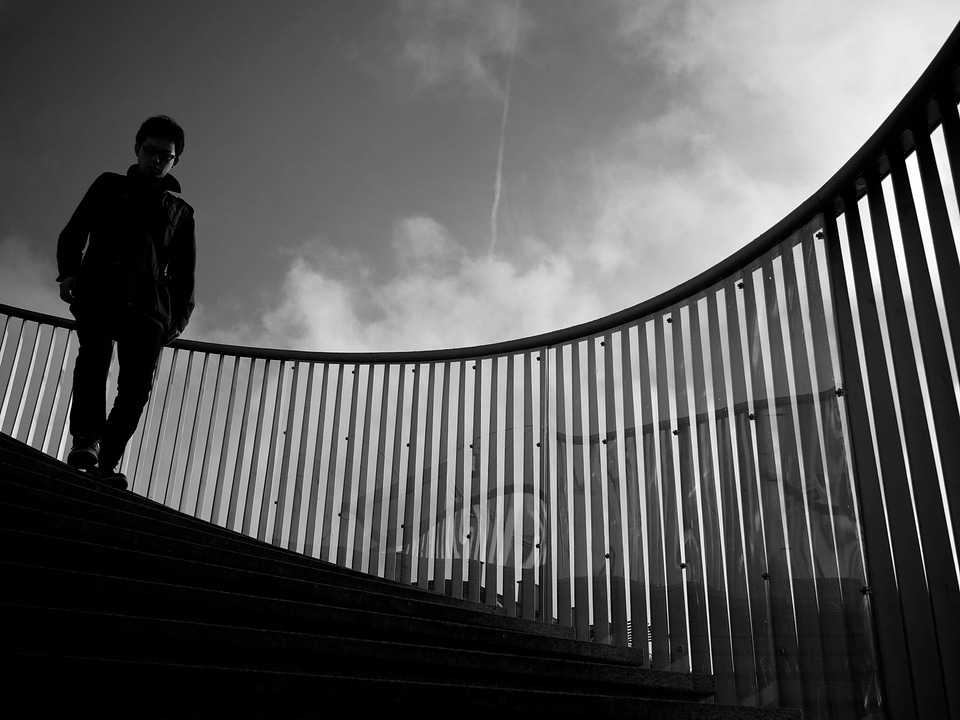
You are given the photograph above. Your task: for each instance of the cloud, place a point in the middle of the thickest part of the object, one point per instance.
(440, 296)
(786, 86)
(754, 121)
(28, 280)
(457, 42)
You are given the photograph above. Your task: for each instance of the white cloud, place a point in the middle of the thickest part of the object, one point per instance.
(440, 297)
(458, 42)
(766, 101)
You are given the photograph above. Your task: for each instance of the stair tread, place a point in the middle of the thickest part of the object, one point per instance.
(347, 697)
(131, 636)
(109, 585)
(174, 543)
(186, 602)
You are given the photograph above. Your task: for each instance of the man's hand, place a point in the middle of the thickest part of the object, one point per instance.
(171, 335)
(67, 286)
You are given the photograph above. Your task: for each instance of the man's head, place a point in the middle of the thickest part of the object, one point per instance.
(159, 144)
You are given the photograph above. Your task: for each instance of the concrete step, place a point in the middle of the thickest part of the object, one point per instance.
(58, 588)
(113, 605)
(43, 482)
(103, 688)
(120, 532)
(68, 632)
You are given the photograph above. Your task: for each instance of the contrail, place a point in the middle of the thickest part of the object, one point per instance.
(498, 183)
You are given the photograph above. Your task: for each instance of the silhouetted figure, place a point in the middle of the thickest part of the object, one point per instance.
(133, 285)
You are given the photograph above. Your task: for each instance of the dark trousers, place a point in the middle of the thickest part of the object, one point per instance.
(139, 343)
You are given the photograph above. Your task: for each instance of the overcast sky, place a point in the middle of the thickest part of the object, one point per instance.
(389, 175)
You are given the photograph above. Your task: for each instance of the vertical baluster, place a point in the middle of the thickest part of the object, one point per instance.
(547, 517)
(474, 545)
(188, 471)
(377, 541)
(424, 546)
(676, 603)
(267, 501)
(391, 571)
(816, 491)
(937, 377)
(950, 124)
(460, 520)
(793, 486)
(770, 491)
(727, 493)
(250, 499)
(895, 569)
(176, 436)
(162, 425)
(408, 535)
(144, 430)
(565, 583)
(530, 512)
(857, 648)
(506, 528)
(941, 575)
(635, 510)
(444, 526)
(713, 519)
(294, 537)
(42, 386)
(198, 505)
(285, 458)
(743, 419)
(364, 520)
(225, 443)
(234, 508)
(490, 493)
(3, 347)
(942, 235)
(48, 434)
(12, 377)
(659, 631)
(597, 478)
(614, 439)
(330, 480)
(581, 570)
(320, 442)
(348, 505)
(692, 549)
(24, 398)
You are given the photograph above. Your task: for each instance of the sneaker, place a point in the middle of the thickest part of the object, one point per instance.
(110, 478)
(85, 453)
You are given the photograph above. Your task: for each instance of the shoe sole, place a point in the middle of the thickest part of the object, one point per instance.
(82, 460)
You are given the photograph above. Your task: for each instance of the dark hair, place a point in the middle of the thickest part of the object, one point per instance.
(162, 126)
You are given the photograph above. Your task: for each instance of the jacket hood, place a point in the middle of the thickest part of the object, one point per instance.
(168, 182)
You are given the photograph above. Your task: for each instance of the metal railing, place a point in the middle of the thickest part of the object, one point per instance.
(753, 475)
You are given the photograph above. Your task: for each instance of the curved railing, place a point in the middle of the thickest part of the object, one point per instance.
(750, 475)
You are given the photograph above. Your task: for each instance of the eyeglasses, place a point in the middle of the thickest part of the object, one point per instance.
(151, 151)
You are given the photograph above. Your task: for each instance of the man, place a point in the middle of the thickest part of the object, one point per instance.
(126, 262)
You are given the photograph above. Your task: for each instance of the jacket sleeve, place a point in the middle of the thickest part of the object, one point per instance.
(183, 269)
(74, 236)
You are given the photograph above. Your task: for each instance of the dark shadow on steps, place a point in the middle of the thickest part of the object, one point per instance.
(116, 606)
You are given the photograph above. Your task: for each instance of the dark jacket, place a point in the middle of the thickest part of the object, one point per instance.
(140, 250)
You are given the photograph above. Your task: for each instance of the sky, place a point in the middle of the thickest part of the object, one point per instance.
(402, 175)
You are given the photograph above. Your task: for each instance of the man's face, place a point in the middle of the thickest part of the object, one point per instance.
(156, 157)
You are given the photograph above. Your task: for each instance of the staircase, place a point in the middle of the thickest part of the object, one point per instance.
(116, 606)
